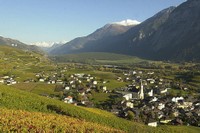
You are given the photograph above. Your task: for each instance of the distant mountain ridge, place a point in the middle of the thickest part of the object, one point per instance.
(48, 44)
(107, 31)
(19, 45)
(172, 34)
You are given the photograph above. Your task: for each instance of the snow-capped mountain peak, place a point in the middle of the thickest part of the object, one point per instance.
(47, 44)
(127, 22)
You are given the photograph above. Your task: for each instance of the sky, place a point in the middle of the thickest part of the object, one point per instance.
(33, 21)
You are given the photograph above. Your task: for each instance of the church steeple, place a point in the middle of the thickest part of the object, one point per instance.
(141, 93)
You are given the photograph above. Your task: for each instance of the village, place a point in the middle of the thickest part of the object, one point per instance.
(146, 97)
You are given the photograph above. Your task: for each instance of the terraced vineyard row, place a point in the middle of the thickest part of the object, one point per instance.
(23, 121)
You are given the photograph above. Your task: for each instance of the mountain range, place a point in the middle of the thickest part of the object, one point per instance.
(48, 46)
(106, 32)
(171, 34)
(19, 45)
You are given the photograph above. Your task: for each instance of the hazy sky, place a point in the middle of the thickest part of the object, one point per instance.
(57, 20)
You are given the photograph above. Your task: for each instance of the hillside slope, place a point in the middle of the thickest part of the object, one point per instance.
(173, 36)
(23, 121)
(179, 36)
(21, 63)
(19, 45)
(14, 99)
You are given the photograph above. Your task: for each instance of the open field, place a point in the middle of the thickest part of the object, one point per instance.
(97, 58)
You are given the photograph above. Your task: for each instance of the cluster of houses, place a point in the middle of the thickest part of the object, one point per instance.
(82, 85)
(8, 80)
(149, 99)
(146, 95)
(78, 84)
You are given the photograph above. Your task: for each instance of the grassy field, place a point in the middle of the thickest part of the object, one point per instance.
(100, 97)
(38, 88)
(97, 58)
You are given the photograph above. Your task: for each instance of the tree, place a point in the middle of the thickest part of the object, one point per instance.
(130, 115)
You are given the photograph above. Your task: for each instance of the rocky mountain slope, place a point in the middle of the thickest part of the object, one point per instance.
(172, 34)
(106, 32)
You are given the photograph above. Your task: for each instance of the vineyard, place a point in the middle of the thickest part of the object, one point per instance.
(23, 121)
(16, 99)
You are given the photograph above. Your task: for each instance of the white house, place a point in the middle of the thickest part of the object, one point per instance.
(128, 96)
(154, 99)
(161, 106)
(104, 88)
(153, 124)
(134, 72)
(176, 99)
(71, 82)
(95, 82)
(68, 99)
(104, 82)
(1, 80)
(59, 82)
(129, 104)
(176, 113)
(163, 91)
(119, 78)
(6, 77)
(41, 80)
(79, 75)
(161, 80)
(73, 86)
(37, 75)
(165, 121)
(67, 88)
(152, 81)
(82, 93)
(185, 105)
(11, 82)
(150, 73)
(150, 93)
